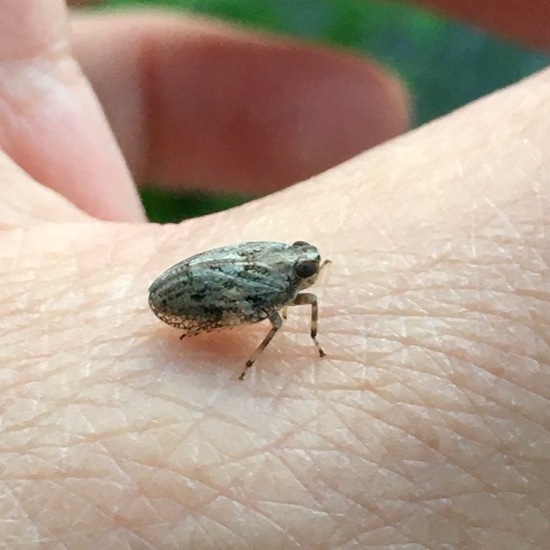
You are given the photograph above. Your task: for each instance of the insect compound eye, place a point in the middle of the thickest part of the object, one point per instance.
(306, 269)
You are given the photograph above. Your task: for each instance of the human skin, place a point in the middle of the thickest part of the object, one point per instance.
(425, 425)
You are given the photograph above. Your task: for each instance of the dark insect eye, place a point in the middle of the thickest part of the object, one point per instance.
(306, 269)
(300, 243)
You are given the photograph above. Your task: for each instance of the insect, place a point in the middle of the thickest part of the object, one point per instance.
(236, 285)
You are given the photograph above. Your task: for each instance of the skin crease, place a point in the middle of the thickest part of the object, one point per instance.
(426, 424)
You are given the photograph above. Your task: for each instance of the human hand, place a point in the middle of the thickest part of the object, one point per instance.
(425, 424)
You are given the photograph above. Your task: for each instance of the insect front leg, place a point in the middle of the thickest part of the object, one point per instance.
(304, 299)
(276, 323)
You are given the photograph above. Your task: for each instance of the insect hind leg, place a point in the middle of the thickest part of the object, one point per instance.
(307, 298)
(277, 323)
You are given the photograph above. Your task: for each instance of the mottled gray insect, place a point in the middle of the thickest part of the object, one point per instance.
(237, 285)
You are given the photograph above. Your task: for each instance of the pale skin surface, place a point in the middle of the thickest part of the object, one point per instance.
(426, 423)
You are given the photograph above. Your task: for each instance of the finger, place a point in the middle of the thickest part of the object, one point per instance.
(52, 125)
(524, 20)
(24, 201)
(194, 101)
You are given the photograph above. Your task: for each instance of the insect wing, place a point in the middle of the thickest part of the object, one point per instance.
(234, 285)
(210, 294)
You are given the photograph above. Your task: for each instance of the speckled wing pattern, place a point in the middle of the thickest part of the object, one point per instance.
(226, 286)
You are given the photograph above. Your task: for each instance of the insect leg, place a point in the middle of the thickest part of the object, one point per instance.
(308, 298)
(284, 312)
(276, 323)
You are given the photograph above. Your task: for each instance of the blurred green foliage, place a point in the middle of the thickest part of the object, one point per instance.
(444, 64)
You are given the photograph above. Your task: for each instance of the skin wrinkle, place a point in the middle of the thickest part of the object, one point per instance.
(483, 371)
(220, 490)
(253, 452)
(453, 429)
(387, 312)
(186, 483)
(289, 537)
(387, 522)
(365, 503)
(385, 468)
(296, 478)
(448, 457)
(232, 533)
(403, 432)
(201, 506)
(372, 510)
(293, 510)
(493, 347)
(106, 512)
(232, 458)
(150, 499)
